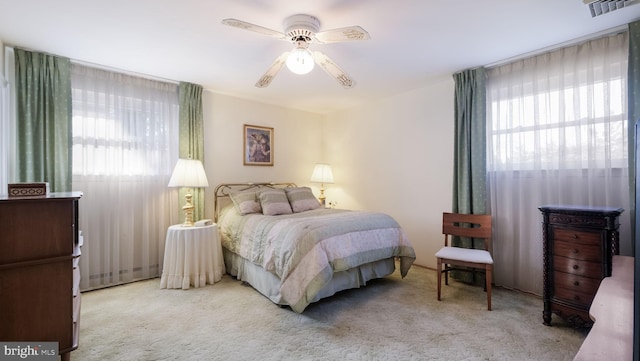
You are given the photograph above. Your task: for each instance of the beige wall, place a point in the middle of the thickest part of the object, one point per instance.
(396, 156)
(297, 143)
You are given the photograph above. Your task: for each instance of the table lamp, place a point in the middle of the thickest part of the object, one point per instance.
(188, 173)
(322, 174)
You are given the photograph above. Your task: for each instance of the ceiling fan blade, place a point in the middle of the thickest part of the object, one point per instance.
(255, 28)
(266, 79)
(334, 70)
(351, 33)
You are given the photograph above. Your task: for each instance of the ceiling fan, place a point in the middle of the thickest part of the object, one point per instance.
(302, 30)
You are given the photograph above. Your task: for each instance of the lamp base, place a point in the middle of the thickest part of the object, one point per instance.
(188, 211)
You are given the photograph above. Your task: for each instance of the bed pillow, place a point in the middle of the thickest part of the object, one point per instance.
(245, 202)
(274, 202)
(301, 199)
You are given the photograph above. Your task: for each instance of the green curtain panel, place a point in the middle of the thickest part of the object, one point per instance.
(43, 117)
(469, 177)
(469, 174)
(192, 136)
(633, 89)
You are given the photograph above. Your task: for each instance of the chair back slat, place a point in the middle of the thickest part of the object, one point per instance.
(459, 225)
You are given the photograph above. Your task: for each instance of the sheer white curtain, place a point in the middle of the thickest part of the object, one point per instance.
(125, 144)
(557, 134)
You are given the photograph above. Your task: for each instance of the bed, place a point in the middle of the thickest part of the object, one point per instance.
(279, 239)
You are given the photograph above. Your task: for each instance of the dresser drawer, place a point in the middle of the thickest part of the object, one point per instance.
(573, 295)
(577, 267)
(590, 252)
(578, 220)
(575, 282)
(76, 307)
(76, 281)
(577, 236)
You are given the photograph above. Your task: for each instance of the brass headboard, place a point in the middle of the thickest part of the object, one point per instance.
(224, 190)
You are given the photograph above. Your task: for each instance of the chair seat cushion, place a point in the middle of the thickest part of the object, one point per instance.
(465, 254)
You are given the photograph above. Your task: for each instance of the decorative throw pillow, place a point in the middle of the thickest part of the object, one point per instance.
(301, 199)
(274, 202)
(246, 202)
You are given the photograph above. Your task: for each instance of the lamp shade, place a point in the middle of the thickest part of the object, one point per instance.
(300, 61)
(322, 174)
(188, 173)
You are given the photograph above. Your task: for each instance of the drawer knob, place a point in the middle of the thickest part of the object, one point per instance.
(576, 297)
(575, 266)
(575, 251)
(575, 236)
(576, 283)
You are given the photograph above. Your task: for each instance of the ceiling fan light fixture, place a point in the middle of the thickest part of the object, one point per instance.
(300, 61)
(302, 30)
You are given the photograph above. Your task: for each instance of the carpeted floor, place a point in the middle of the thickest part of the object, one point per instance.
(389, 319)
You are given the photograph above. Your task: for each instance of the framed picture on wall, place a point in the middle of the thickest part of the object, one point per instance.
(258, 145)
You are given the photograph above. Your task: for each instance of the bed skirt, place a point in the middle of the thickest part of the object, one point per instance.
(269, 285)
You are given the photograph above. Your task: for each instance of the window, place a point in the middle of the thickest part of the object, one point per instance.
(121, 124)
(556, 134)
(541, 131)
(125, 144)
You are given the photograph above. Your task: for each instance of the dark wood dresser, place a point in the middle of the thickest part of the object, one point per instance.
(579, 243)
(39, 273)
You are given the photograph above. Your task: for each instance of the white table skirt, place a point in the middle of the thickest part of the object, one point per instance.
(192, 257)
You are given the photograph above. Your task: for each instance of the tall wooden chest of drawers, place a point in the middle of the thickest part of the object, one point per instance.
(579, 243)
(39, 272)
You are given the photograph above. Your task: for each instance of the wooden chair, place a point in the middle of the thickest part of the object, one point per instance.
(475, 226)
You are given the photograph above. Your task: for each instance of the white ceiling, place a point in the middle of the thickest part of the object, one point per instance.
(412, 42)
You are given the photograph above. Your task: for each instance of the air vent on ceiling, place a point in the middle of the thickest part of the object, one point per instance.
(599, 7)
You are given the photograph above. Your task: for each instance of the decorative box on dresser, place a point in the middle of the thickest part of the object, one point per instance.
(39, 273)
(579, 243)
